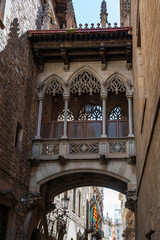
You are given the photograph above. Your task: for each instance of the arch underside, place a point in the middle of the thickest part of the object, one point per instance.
(83, 179)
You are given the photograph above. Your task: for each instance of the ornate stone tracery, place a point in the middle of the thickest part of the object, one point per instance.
(70, 116)
(95, 113)
(53, 87)
(127, 6)
(85, 82)
(115, 113)
(116, 85)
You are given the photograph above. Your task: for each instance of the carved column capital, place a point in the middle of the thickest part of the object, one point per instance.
(66, 96)
(131, 200)
(129, 94)
(104, 95)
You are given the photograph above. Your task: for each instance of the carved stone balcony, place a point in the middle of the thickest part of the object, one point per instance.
(88, 149)
(84, 141)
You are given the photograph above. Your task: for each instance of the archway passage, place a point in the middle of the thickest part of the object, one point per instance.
(70, 181)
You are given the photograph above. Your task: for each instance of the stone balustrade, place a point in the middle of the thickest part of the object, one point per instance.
(107, 148)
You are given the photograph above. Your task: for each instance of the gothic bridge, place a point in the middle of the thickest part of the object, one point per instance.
(85, 127)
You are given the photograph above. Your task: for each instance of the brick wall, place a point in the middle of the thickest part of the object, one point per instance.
(146, 59)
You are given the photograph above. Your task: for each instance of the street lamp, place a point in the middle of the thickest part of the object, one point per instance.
(61, 219)
(65, 204)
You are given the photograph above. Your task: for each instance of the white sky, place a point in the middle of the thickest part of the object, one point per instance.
(110, 199)
(88, 11)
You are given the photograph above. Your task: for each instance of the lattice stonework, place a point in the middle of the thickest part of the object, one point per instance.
(70, 116)
(127, 6)
(115, 114)
(53, 87)
(95, 113)
(84, 148)
(50, 149)
(116, 85)
(85, 83)
(117, 147)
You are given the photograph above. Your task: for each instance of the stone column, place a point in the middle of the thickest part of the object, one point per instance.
(40, 99)
(104, 98)
(66, 99)
(129, 98)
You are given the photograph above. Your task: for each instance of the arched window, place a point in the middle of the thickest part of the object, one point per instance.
(91, 111)
(115, 114)
(70, 116)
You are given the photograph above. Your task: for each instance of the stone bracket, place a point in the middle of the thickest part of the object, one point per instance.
(131, 200)
(31, 199)
(103, 159)
(132, 160)
(62, 160)
(39, 59)
(65, 58)
(103, 57)
(129, 58)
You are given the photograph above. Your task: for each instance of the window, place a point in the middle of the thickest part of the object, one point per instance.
(3, 221)
(19, 136)
(115, 114)
(91, 111)
(70, 116)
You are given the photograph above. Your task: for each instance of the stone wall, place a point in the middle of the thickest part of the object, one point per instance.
(18, 104)
(29, 14)
(146, 72)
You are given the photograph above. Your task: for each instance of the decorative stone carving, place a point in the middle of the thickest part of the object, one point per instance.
(50, 149)
(70, 116)
(127, 6)
(103, 159)
(116, 86)
(31, 199)
(7, 196)
(132, 160)
(53, 87)
(84, 148)
(62, 160)
(131, 200)
(85, 82)
(117, 147)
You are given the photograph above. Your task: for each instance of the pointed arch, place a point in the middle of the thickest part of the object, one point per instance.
(117, 83)
(85, 80)
(53, 85)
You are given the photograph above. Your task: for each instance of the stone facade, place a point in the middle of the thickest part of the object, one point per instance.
(146, 68)
(18, 106)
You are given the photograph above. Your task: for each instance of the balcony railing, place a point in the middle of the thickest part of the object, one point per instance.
(84, 129)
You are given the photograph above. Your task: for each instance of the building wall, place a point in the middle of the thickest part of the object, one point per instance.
(18, 105)
(146, 71)
(29, 14)
(76, 221)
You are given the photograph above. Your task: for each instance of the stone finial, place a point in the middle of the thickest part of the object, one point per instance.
(103, 14)
(46, 17)
(70, 15)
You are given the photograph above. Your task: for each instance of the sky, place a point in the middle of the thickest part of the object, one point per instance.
(110, 199)
(88, 11)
